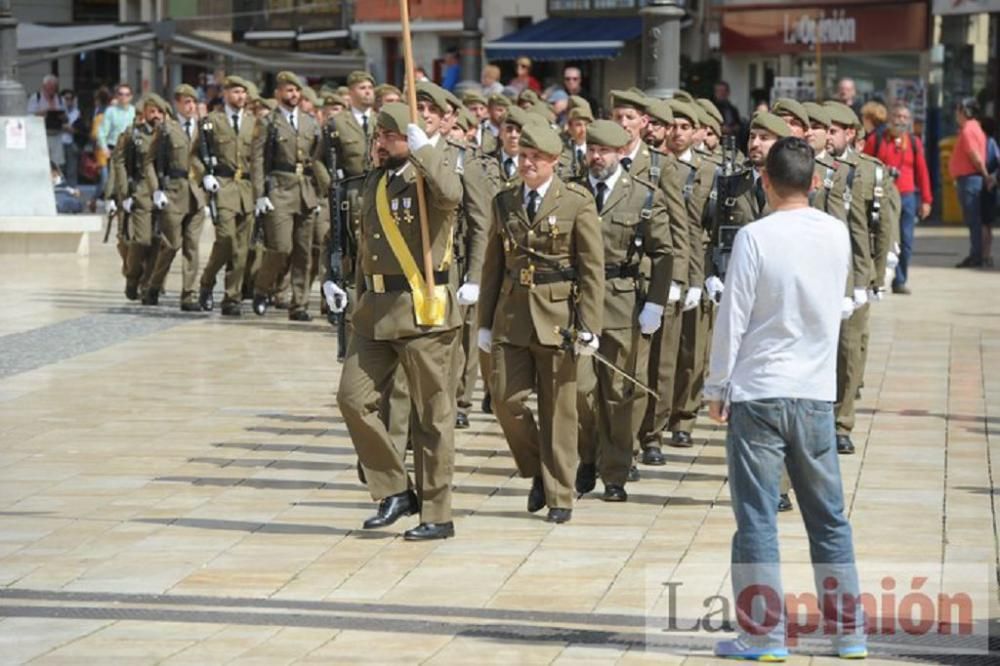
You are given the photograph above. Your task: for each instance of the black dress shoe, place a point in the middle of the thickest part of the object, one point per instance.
(132, 292)
(188, 306)
(430, 531)
(614, 493)
(392, 508)
(586, 478)
(205, 299)
(487, 405)
(232, 309)
(633, 474)
(299, 315)
(784, 503)
(559, 515)
(901, 289)
(151, 297)
(969, 262)
(845, 446)
(536, 498)
(652, 455)
(681, 440)
(259, 305)
(361, 474)
(461, 421)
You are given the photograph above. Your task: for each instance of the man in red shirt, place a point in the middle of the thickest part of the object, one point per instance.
(968, 167)
(903, 155)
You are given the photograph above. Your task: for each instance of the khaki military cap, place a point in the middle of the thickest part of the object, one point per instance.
(687, 110)
(253, 92)
(579, 108)
(233, 81)
(628, 98)
(684, 96)
(332, 98)
(706, 117)
(496, 99)
(767, 121)
(434, 94)
(607, 133)
(269, 102)
(386, 88)
(529, 96)
(453, 100)
(359, 76)
(542, 110)
(184, 90)
(817, 114)
(518, 116)
(659, 110)
(289, 78)
(710, 108)
(152, 99)
(310, 96)
(841, 114)
(394, 117)
(465, 119)
(785, 106)
(473, 97)
(542, 138)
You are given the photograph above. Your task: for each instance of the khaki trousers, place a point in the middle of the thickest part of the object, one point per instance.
(232, 238)
(467, 359)
(180, 233)
(287, 246)
(663, 352)
(852, 352)
(140, 248)
(692, 363)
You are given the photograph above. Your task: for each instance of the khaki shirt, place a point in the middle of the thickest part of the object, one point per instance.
(234, 154)
(480, 176)
(301, 152)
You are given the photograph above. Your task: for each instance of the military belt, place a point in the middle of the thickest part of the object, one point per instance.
(225, 172)
(381, 284)
(298, 169)
(621, 271)
(529, 277)
(177, 173)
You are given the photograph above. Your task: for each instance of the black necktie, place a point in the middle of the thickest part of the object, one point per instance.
(579, 156)
(758, 191)
(236, 123)
(602, 194)
(187, 127)
(364, 124)
(291, 121)
(508, 167)
(532, 204)
(626, 163)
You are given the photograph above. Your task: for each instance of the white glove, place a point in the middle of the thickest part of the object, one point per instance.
(262, 206)
(210, 183)
(846, 307)
(875, 295)
(468, 294)
(860, 298)
(650, 318)
(586, 344)
(896, 250)
(692, 299)
(485, 341)
(674, 294)
(208, 212)
(111, 207)
(891, 260)
(336, 298)
(127, 204)
(416, 138)
(714, 287)
(160, 199)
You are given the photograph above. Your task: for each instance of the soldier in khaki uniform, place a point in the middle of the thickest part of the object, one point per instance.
(544, 270)
(573, 161)
(395, 326)
(179, 197)
(227, 136)
(628, 109)
(637, 271)
(287, 196)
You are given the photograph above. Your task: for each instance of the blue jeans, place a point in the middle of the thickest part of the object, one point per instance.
(969, 191)
(763, 435)
(907, 223)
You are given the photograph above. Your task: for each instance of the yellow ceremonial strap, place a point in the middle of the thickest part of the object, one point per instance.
(429, 312)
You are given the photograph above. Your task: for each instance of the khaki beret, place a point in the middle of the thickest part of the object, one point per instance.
(434, 94)
(152, 99)
(332, 98)
(520, 117)
(289, 78)
(465, 119)
(687, 110)
(785, 106)
(817, 114)
(233, 81)
(359, 76)
(542, 110)
(767, 121)
(473, 97)
(659, 110)
(628, 98)
(269, 102)
(394, 117)
(310, 96)
(184, 90)
(453, 100)
(707, 119)
(684, 96)
(386, 88)
(253, 92)
(343, 91)
(710, 108)
(607, 133)
(542, 138)
(528, 96)
(496, 99)
(579, 108)
(841, 114)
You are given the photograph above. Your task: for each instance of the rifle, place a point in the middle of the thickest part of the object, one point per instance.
(206, 153)
(269, 147)
(335, 244)
(732, 181)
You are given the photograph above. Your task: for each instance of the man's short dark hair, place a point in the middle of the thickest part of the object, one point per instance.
(790, 165)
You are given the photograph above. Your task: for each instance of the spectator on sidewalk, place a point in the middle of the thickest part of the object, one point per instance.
(490, 79)
(117, 118)
(772, 378)
(732, 124)
(903, 154)
(573, 85)
(968, 167)
(48, 104)
(989, 196)
(74, 135)
(524, 80)
(847, 92)
(452, 71)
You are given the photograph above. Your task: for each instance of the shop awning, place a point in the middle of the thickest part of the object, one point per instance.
(568, 38)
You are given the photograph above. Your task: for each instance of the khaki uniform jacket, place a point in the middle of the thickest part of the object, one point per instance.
(829, 196)
(672, 180)
(304, 149)
(862, 267)
(627, 237)
(185, 193)
(881, 236)
(142, 135)
(352, 144)
(487, 142)
(565, 231)
(390, 315)
(571, 167)
(233, 153)
(700, 173)
(480, 176)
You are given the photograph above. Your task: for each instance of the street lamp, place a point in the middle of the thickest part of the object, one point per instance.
(661, 46)
(13, 101)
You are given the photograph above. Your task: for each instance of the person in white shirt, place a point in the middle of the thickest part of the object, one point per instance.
(772, 379)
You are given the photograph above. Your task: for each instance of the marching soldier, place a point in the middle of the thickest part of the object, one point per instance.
(179, 197)
(386, 93)
(226, 140)
(285, 190)
(397, 325)
(544, 271)
(711, 124)
(573, 161)
(637, 273)
(497, 107)
(628, 109)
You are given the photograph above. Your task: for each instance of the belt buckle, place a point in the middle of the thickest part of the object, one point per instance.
(378, 283)
(299, 169)
(191, 174)
(239, 174)
(526, 277)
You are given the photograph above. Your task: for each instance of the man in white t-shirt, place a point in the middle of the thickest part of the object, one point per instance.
(772, 378)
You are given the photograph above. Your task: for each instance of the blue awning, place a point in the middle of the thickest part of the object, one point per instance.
(568, 38)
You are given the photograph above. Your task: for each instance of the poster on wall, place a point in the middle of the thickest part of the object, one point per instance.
(945, 7)
(796, 87)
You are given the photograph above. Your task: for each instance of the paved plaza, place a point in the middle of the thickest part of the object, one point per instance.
(180, 489)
